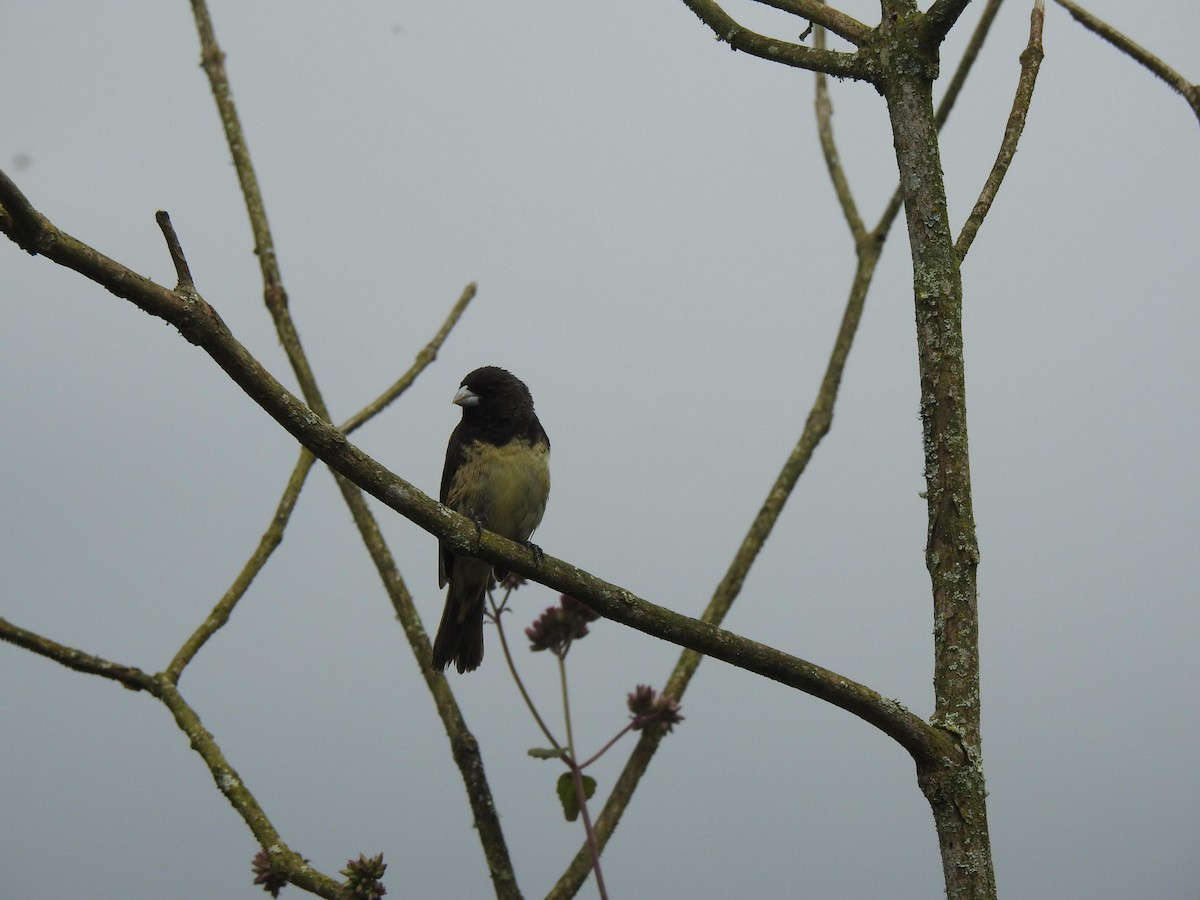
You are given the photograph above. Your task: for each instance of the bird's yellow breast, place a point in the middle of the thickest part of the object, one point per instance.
(506, 487)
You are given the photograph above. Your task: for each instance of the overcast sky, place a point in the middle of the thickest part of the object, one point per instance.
(660, 257)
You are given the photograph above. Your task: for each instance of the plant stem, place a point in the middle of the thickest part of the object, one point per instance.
(577, 777)
(512, 667)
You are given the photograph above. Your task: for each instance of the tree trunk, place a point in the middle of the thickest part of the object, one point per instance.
(955, 789)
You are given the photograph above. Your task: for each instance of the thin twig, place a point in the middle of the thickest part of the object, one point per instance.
(267, 544)
(426, 356)
(212, 60)
(833, 160)
(941, 17)
(613, 740)
(1031, 61)
(183, 275)
(512, 668)
(816, 426)
(130, 676)
(1189, 90)
(284, 860)
(967, 62)
(822, 16)
(577, 778)
(841, 65)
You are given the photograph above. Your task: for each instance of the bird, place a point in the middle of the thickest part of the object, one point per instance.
(497, 474)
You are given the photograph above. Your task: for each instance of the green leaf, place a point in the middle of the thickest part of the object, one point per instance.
(567, 796)
(547, 752)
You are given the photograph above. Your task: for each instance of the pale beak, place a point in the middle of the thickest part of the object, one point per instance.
(465, 397)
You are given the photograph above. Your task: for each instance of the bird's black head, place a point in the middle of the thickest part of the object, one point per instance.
(492, 391)
(494, 400)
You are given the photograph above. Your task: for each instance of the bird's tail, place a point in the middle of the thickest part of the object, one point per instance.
(460, 635)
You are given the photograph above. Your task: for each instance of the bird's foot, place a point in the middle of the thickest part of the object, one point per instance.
(536, 551)
(480, 521)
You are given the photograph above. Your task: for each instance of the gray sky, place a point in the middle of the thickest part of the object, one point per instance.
(659, 256)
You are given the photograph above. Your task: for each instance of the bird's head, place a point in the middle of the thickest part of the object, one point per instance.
(492, 393)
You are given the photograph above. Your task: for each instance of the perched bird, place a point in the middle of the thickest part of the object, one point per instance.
(497, 473)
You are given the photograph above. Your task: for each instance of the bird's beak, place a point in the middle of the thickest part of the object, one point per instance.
(465, 397)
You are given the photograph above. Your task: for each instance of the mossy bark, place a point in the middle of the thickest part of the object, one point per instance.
(954, 788)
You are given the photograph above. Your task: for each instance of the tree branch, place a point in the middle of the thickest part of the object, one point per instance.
(284, 860)
(1189, 90)
(816, 12)
(130, 676)
(833, 160)
(842, 65)
(183, 275)
(424, 358)
(267, 544)
(1031, 61)
(816, 426)
(941, 17)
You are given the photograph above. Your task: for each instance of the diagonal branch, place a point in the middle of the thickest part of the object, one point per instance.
(183, 275)
(1031, 60)
(284, 860)
(841, 65)
(941, 17)
(424, 358)
(267, 544)
(130, 676)
(1136, 52)
(967, 62)
(833, 159)
(822, 16)
(817, 425)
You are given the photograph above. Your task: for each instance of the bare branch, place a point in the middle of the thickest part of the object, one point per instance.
(267, 544)
(130, 676)
(833, 160)
(965, 64)
(426, 356)
(1189, 90)
(817, 13)
(284, 860)
(212, 60)
(183, 275)
(841, 65)
(1031, 60)
(941, 17)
